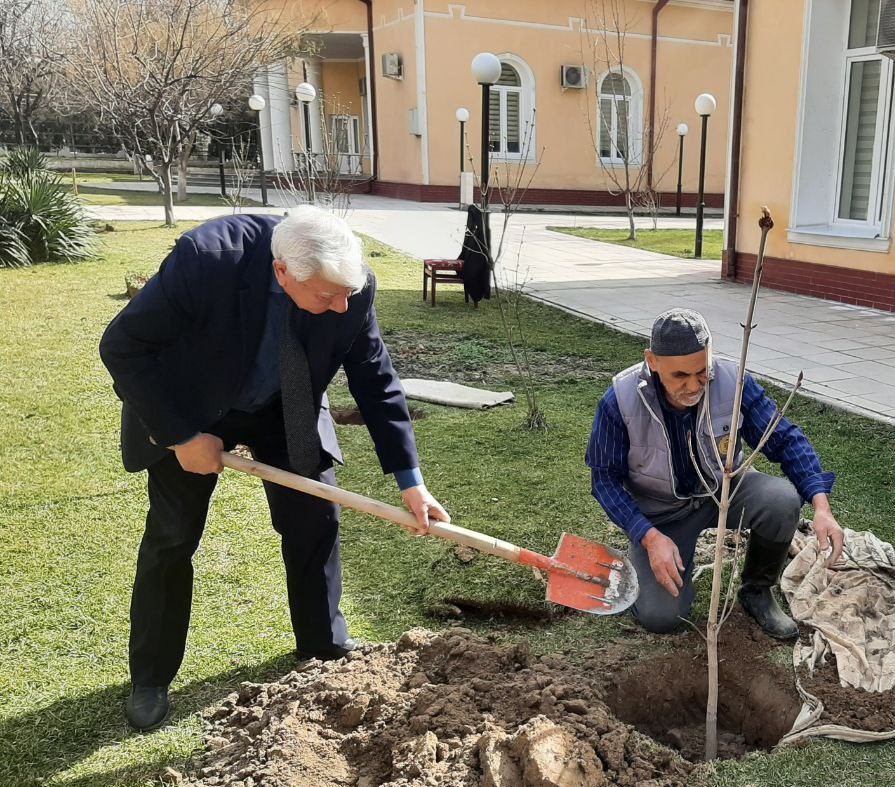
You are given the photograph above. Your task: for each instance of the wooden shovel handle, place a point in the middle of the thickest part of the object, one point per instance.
(367, 505)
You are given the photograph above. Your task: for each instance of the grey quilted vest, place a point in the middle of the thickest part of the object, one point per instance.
(651, 479)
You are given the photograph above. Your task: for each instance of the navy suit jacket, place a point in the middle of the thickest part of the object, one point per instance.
(180, 351)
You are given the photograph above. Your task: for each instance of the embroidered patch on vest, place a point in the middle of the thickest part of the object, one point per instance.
(723, 444)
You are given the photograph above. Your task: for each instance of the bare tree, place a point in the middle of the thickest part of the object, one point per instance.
(725, 495)
(626, 154)
(33, 35)
(325, 176)
(509, 182)
(155, 68)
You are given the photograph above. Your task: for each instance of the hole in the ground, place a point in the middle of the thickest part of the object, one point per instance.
(350, 416)
(482, 609)
(665, 698)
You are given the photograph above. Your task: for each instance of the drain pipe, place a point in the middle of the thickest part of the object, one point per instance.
(371, 53)
(736, 135)
(652, 92)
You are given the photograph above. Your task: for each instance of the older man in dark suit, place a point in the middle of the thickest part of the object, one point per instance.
(235, 340)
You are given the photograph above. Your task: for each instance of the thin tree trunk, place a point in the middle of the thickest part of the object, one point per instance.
(20, 127)
(184, 150)
(629, 204)
(167, 192)
(713, 627)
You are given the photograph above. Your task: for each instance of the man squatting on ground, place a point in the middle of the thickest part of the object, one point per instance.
(643, 476)
(235, 340)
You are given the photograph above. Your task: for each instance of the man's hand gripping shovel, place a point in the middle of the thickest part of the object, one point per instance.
(582, 574)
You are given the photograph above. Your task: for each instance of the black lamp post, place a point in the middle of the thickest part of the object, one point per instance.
(256, 104)
(215, 111)
(682, 130)
(462, 115)
(705, 104)
(486, 71)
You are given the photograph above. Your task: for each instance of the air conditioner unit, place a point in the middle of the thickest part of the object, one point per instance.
(885, 34)
(573, 76)
(391, 66)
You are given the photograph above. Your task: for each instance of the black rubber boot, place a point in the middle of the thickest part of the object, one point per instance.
(761, 571)
(147, 707)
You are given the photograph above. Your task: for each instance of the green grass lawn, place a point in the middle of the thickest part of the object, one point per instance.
(92, 190)
(71, 520)
(678, 243)
(108, 177)
(102, 196)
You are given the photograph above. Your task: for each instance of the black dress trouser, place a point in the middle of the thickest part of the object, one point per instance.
(178, 505)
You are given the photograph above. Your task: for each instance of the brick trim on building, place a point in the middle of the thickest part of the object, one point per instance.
(584, 197)
(846, 285)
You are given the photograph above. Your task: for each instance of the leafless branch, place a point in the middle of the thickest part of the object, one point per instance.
(771, 428)
(693, 460)
(734, 572)
(692, 625)
(628, 163)
(35, 40)
(708, 406)
(511, 180)
(155, 69)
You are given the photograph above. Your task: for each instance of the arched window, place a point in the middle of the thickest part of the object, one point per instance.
(506, 112)
(615, 118)
(512, 111)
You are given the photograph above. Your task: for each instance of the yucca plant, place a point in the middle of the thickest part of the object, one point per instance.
(47, 216)
(13, 251)
(22, 161)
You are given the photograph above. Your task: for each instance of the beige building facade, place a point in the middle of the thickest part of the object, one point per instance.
(587, 90)
(817, 149)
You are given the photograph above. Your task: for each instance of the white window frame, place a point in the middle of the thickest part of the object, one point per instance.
(880, 163)
(821, 129)
(527, 101)
(635, 120)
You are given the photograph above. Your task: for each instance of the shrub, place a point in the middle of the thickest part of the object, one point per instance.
(13, 251)
(39, 214)
(23, 161)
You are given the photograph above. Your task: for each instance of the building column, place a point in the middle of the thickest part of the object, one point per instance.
(421, 97)
(368, 102)
(315, 108)
(272, 83)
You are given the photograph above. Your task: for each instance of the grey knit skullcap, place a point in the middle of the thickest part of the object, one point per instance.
(679, 332)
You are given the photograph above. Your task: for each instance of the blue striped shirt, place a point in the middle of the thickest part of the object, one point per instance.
(607, 455)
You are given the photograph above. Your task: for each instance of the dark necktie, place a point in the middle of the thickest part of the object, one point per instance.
(302, 440)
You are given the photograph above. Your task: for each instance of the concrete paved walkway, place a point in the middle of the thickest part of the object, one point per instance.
(847, 353)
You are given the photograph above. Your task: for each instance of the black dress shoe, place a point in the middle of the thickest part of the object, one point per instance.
(328, 653)
(147, 706)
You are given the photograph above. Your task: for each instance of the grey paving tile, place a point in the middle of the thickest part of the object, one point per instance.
(873, 353)
(823, 374)
(854, 386)
(846, 345)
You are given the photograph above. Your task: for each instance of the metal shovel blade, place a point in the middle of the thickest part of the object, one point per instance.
(595, 578)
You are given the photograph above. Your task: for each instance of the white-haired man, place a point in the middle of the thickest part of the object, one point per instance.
(235, 340)
(643, 474)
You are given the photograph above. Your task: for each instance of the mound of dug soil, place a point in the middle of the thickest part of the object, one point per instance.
(432, 710)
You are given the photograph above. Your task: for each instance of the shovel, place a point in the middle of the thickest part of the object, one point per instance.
(582, 574)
